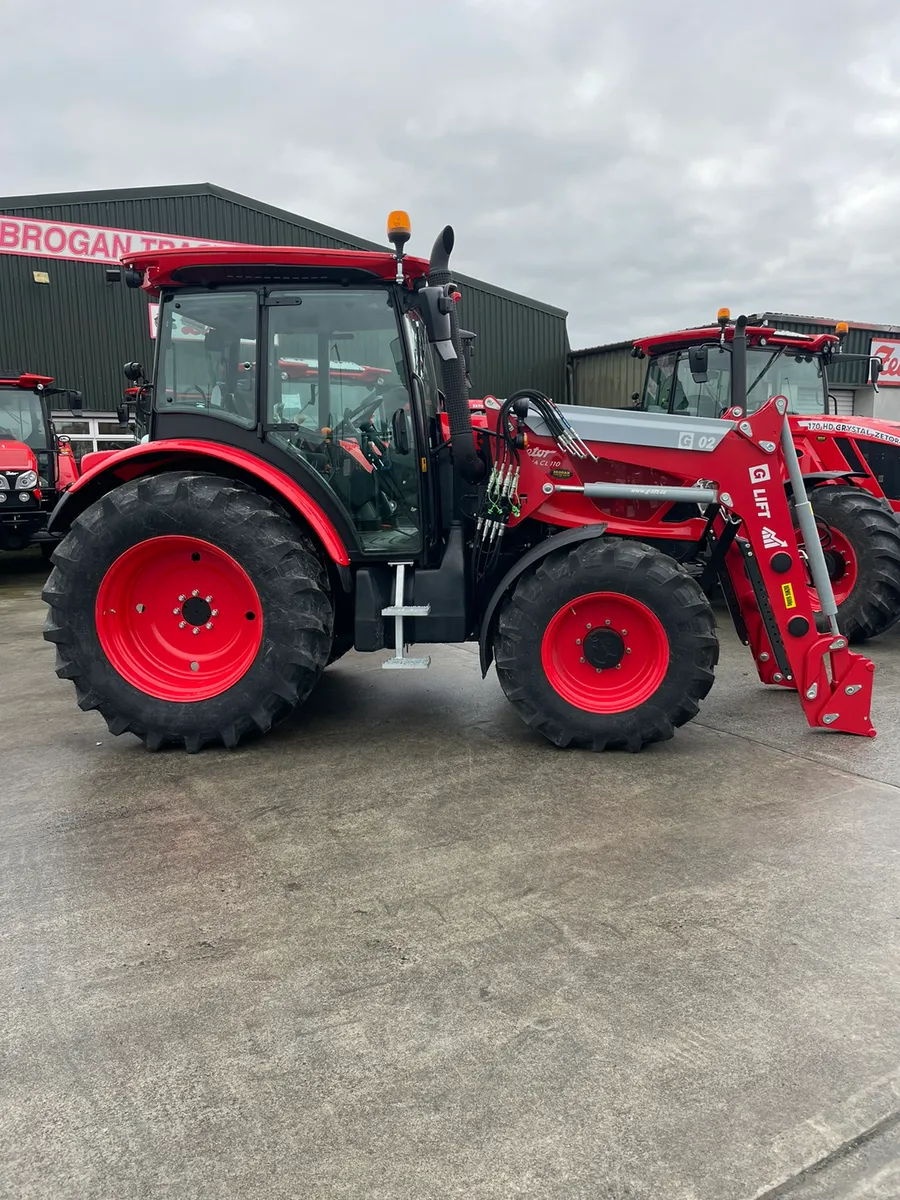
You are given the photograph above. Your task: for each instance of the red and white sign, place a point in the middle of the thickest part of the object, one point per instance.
(889, 353)
(85, 243)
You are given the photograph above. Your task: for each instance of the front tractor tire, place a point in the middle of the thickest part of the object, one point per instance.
(188, 610)
(610, 645)
(861, 540)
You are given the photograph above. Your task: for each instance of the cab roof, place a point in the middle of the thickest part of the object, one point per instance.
(809, 343)
(26, 380)
(268, 264)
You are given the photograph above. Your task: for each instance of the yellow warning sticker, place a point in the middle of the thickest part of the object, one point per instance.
(788, 592)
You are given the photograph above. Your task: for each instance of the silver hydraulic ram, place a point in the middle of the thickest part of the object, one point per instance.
(815, 555)
(628, 491)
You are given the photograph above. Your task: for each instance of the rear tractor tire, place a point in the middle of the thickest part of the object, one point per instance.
(610, 645)
(189, 611)
(862, 549)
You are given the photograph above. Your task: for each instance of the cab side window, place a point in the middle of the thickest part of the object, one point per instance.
(208, 356)
(658, 383)
(707, 399)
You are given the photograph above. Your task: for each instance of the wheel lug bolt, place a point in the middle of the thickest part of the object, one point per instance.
(607, 622)
(182, 599)
(195, 592)
(587, 626)
(208, 599)
(195, 666)
(181, 624)
(578, 641)
(624, 633)
(139, 607)
(618, 666)
(627, 649)
(176, 611)
(209, 625)
(581, 660)
(215, 612)
(196, 630)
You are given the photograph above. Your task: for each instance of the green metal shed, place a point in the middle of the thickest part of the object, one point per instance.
(60, 317)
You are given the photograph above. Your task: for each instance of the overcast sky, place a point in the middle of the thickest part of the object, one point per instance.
(639, 164)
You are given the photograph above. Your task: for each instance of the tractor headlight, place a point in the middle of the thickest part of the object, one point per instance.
(2, 497)
(4, 484)
(24, 497)
(28, 479)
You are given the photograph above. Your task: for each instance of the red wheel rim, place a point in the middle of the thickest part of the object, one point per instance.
(605, 652)
(179, 619)
(842, 567)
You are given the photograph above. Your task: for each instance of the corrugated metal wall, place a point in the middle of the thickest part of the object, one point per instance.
(81, 329)
(606, 376)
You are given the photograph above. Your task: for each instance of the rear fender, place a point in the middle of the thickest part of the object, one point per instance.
(153, 458)
(571, 537)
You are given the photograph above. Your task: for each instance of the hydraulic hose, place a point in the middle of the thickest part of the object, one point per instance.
(456, 394)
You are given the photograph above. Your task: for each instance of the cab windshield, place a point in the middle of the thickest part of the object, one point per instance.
(22, 418)
(771, 371)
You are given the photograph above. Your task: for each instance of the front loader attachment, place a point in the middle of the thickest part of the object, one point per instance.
(765, 583)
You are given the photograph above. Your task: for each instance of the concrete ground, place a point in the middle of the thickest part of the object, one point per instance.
(402, 948)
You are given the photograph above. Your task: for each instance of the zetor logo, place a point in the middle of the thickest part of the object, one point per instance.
(760, 497)
(889, 353)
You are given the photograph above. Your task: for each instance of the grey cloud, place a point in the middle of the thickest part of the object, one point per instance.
(637, 164)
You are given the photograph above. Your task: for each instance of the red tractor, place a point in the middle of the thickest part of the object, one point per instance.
(851, 468)
(35, 465)
(208, 575)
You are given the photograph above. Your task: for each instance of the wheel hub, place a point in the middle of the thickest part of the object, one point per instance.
(837, 567)
(604, 648)
(196, 611)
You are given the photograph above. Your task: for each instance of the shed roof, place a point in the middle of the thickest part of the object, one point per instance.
(109, 195)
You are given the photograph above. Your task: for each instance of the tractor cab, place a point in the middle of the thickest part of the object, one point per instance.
(35, 465)
(690, 371)
(326, 371)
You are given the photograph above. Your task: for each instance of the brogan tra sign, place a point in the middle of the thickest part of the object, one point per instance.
(85, 243)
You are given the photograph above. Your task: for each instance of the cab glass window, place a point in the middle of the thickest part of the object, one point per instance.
(208, 356)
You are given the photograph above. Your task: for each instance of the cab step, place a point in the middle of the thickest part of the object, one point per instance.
(400, 610)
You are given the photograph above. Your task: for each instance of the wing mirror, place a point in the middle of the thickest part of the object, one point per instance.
(468, 349)
(399, 432)
(436, 306)
(698, 361)
(875, 367)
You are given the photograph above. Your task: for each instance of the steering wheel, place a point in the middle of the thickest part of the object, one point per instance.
(366, 410)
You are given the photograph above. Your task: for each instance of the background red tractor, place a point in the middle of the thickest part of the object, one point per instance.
(36, 466)
(851, 467)
(209, 574)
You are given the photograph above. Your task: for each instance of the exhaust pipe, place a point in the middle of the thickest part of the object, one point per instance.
(456, 393)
